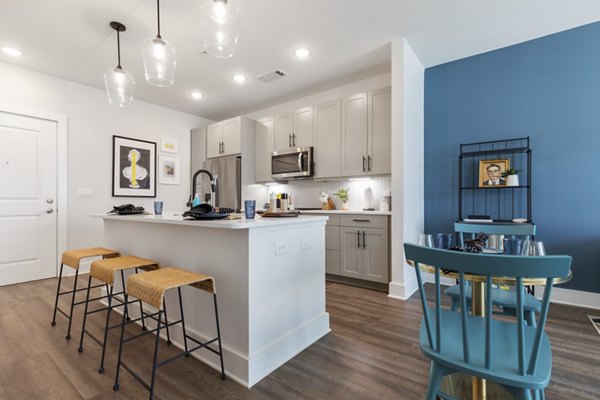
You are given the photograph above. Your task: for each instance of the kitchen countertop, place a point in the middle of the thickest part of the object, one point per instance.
(175, 218)
(350, 212)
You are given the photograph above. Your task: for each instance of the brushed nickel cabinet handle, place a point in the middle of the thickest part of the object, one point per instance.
(361, 220)
(358, 239)
(364, 163)
(369, 163)
(364, 240)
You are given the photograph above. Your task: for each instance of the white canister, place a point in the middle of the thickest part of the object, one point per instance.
(384, 205)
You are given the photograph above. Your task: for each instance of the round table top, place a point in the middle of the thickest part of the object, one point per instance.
(504, 280)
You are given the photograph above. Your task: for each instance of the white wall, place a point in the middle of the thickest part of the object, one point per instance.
(91, 124)
(408, 87)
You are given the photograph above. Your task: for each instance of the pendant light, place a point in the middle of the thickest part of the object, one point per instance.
(119, 83)
(219, 25)
(159, 58)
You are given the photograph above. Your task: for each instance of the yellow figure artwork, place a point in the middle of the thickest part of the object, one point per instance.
(134, 172)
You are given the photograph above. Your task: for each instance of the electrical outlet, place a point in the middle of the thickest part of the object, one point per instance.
(281, 247)
(85, 192)
(307, 243)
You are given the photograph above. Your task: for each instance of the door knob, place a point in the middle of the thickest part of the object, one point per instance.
(49, 211)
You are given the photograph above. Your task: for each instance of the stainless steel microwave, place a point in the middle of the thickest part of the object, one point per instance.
(292, 163)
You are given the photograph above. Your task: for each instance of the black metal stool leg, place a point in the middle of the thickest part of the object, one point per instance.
(57, 294)
(109, 309)
(68, 337)
(141, 310)
(155, 360)
(166, 322)
(126, 310)
(219, 337)
(116, 385)
(182, 322)
(87, 300)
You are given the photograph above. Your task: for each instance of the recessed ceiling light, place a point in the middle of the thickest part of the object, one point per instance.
(11, 51)
(239, 78)
(302, 53)
(197, 95)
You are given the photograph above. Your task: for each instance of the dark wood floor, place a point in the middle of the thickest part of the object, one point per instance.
(371, 353)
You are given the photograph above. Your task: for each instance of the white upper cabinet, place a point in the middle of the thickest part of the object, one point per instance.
(283, 131)
(302, 135)
(354, 138)
(214, 137)
(232, 136)
(366, 133)
(294, 129)
(224, 138)
(265, 145)
(328, 137)
(379, 159)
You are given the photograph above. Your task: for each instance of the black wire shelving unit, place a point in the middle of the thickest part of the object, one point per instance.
(501, 203)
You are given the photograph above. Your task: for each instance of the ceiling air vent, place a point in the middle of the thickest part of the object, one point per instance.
(271, 76)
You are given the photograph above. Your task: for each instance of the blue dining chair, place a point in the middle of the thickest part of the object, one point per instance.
(503, 298)
(510, 353)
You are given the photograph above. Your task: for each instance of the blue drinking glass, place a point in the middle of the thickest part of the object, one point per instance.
(513, 247)
(250, 208)
(443, 240)
(158, 207)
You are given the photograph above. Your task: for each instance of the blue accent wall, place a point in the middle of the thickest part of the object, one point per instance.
(548, 89)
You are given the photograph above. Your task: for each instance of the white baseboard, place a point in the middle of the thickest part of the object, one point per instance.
(573, 297)
(403, 291)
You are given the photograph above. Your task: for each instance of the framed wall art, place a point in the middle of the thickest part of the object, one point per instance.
(168, 145)
(134, 168)
(490, 172)
(168, 170)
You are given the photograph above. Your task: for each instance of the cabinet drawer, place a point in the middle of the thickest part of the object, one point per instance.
(364, 221)
(334, 220)
(332, 237)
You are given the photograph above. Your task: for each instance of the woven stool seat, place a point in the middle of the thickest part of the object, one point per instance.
(73, 257)
(150, 287)
(104, 270)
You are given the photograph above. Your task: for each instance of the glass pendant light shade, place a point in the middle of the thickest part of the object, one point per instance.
(219, 26)
(119, 86)
(159, 62)
(118, 82)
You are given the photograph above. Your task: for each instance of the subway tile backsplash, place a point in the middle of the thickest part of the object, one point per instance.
(305, 193)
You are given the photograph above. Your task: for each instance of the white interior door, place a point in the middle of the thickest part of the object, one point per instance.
(28, 190)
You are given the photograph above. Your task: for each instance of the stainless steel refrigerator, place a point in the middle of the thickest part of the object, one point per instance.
(229, 181)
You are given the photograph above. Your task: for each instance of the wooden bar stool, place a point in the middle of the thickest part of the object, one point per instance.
(72, 258)
(104, 271)
(150, 288)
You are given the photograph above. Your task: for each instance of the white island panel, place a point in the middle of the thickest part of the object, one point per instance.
(271, 306)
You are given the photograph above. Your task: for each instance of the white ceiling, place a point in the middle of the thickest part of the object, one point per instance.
(349, 40)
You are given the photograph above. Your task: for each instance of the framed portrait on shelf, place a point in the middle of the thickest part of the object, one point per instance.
(134, 168)
(168, 145)
(168, 170)
(490, 172)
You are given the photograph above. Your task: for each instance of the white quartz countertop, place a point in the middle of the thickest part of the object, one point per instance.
(177, 219)
(349, 212)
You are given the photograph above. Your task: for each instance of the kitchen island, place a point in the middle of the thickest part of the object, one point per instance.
(270, 280)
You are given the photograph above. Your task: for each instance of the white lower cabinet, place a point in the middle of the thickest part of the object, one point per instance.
(357, 246)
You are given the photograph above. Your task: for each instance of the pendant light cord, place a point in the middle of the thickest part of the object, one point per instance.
(158, 17)
(119, 50)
